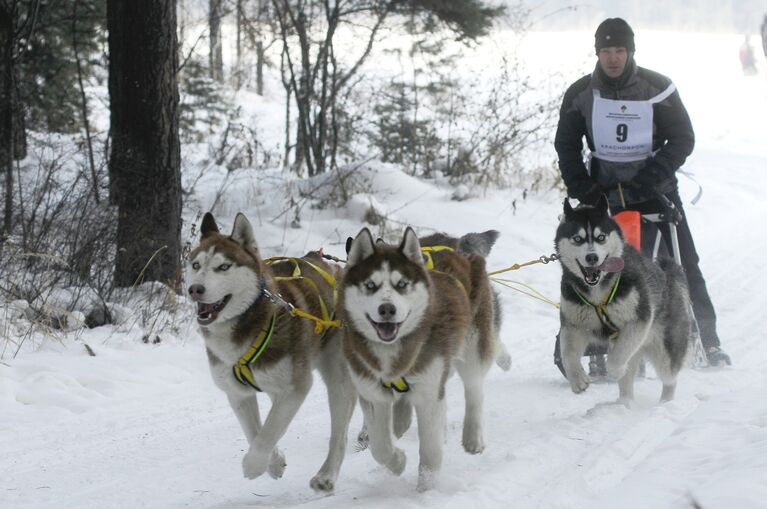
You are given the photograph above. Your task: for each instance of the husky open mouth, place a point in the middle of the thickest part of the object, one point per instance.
(207, 312)
(387, 331)
(593, 273)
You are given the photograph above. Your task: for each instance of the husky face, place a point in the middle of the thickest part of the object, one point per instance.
(224, 271)
(386, 290)
(586, 239)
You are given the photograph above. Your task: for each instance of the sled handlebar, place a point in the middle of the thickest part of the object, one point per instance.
(670, 212)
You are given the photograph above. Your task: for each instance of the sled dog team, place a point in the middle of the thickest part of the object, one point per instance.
(411, 314)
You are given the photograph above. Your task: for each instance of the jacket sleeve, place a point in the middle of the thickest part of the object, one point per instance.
(673, 127)
(568, 143)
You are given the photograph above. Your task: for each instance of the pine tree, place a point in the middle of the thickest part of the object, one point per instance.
(48, 71)
(144, 163)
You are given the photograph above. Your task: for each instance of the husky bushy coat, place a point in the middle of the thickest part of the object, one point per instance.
(479, 244)
(617, 297)
(231, 285)
(406, 328)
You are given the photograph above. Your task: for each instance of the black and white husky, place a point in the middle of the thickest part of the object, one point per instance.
(614, 296)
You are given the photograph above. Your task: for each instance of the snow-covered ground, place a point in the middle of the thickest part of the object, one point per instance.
(141, 425)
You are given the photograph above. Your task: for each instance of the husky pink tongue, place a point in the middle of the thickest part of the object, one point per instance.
(387, 331)
(612, 264)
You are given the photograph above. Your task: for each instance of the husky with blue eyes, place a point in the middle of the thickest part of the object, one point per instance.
(614, 296)
(409, 322)
(255, 345)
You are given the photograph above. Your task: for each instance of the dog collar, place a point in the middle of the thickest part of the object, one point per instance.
(263, 292)
(398, 385)
(601, 309)
(241, 368)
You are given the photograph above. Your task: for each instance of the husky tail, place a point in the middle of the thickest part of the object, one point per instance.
(478, 243)
(471, 243)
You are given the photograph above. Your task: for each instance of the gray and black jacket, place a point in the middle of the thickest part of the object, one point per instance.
(673, 137)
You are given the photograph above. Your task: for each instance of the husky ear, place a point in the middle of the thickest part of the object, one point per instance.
(568, 208)
(362, 247)
(410, 247)
(602, 205)
(242, 231)
(209, 226)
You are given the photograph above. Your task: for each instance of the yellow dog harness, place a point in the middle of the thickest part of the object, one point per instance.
(601, 309)
(241, 368)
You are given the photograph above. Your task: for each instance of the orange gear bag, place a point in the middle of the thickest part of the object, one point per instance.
(630, 222)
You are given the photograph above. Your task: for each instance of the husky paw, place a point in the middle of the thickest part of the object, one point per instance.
(474, 445)
(427, 479)
(277, 464)
(503, 359)
(254, 464)
(397, 462)
(322, 484)
(579, 381)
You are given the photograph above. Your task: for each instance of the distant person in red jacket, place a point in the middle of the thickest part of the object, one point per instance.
(747, 60)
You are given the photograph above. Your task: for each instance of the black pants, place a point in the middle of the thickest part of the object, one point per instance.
(701, 301)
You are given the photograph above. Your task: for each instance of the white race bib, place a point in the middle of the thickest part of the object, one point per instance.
(623, 129)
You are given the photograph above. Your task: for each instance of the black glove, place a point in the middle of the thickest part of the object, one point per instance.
(650, 179)
(585, 191)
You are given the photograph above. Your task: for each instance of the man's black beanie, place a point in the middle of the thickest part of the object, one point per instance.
(614, 32)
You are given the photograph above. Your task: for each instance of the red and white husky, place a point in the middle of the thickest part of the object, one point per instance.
(254, 345)
(407, 327)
